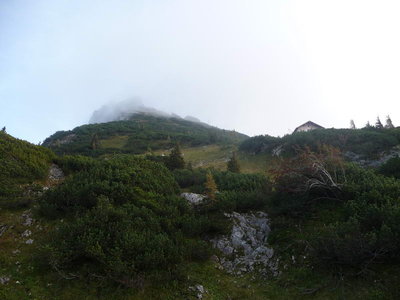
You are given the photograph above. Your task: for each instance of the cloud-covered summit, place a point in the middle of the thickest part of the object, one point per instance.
(123, 110)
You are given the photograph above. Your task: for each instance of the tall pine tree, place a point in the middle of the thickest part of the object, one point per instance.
(389, 123)
(175, 159)
(233, 164)
(378, 123)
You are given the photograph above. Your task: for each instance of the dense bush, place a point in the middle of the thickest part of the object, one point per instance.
(235, 191)
(226, 181)
(75, 163)
(260, 143)
(122, 179)
(240, 200)
(120, 242)
(391, 168)
(367, 142)
(21, 160)
(21, 163)
(123, 221)
(363, 223)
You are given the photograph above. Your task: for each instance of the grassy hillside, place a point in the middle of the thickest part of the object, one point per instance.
(216, 157)
(142, 133)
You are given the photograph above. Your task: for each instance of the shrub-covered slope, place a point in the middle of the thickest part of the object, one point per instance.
(367, 142)
(20, 163)
(142, 133)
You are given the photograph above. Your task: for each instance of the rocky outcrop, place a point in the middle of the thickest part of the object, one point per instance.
(55, 173)
(69, 138)
(245, 249)
(193, 198)
(374, 163)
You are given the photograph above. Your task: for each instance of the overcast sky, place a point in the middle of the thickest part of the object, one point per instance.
(259, 67)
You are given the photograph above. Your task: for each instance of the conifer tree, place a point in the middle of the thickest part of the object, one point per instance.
(352, 124)
(210, 186)
(4, 129)
(389, 123)
(368, 125)
(175, 159)
(378, 123)
(233, 164)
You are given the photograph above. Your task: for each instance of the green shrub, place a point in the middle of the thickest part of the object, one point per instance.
(366, 142)
(118, 243)
(122, 179)
(391, 168)
(21, 163)
(370, 231)
(240, 200)
(123, 221)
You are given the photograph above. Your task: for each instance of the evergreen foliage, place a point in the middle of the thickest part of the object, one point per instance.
(367, 142)
(122, 179)
(366, 230)
(233, 164)
(95, 144)
(378, 123)
(391, 168)
(137, 135)
(368, 125)
(175, 159)
(20, 163)
(389, 123)
(123, 221)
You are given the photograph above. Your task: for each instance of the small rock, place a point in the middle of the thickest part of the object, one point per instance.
(30, 241)
(27, 218)
(26, 233)
(3, 228)
(16, 251)
(4, 279)
(200, 288)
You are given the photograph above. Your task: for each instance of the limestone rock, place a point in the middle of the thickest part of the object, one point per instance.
(55, 173)
(27, 218)
(193, 198)
(4, 279)
(245, 249)
(26, 233)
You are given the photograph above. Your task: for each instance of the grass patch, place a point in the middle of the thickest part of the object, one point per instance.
(114, 142)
